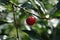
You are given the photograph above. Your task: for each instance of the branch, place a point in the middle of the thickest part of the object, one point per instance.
(15, 22)
(29, 12)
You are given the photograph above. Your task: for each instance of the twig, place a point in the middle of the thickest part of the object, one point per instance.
(14, 15)
(29, 12)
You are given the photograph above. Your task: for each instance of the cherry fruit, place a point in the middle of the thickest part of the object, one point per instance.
(30, 20)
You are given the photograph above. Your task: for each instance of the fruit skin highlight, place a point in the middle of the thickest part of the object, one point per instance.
(30, 20)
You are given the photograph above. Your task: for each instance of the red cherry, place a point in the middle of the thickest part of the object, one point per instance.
(30, 20)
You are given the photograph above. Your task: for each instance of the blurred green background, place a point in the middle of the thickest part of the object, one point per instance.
(13, 15)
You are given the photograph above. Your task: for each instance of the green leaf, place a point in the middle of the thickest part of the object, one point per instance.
(25, 36)
(32, 34)
(9, 7)
(56, 14)
(15, 1)
(33, 4)
(27, 5)
(4, 1)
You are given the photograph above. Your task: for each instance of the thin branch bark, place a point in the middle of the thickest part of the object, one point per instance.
(29, 12)
(15, 23)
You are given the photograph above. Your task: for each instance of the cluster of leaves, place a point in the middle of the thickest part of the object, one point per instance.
(15, 13)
